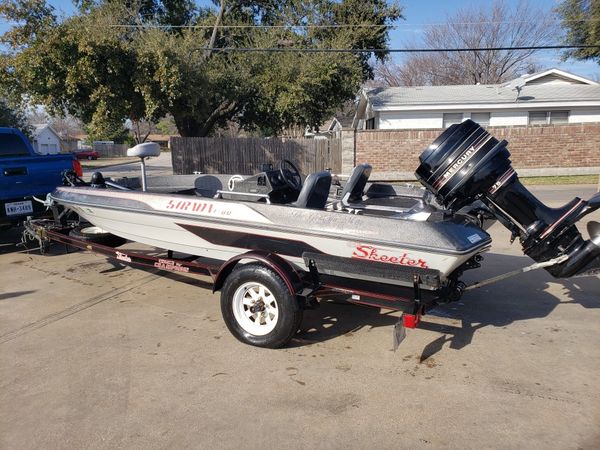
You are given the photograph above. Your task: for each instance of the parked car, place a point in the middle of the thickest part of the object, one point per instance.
(25, 174)
(87, 154)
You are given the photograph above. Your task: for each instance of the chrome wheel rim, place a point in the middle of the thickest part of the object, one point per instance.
(255, 308)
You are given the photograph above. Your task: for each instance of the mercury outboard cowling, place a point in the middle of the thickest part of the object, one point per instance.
(466, 163)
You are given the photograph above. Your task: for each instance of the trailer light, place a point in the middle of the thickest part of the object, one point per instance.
(411, 320)
(77, 168)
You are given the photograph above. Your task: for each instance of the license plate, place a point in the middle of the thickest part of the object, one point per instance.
(18, 208)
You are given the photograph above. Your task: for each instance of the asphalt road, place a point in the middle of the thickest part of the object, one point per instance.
(156, 166)
(98, 356)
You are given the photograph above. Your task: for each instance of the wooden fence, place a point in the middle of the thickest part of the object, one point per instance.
(111, 150)
(245, 156)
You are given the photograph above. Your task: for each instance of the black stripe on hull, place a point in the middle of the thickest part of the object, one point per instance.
(239, 239)
(384, 271)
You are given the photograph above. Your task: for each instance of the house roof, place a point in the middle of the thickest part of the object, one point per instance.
(39, 127)
(161, 137)
(345, 120)
(474, 94)
(532, 89)
(555, 73)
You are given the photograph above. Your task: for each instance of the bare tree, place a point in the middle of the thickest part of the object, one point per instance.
(390, 73)
(141, 129)
(66, 126)
(37, 116)
(497, 26)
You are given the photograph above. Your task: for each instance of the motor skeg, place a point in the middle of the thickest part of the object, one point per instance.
(466, 163)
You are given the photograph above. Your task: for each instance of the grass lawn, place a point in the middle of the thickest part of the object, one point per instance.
(563, 179)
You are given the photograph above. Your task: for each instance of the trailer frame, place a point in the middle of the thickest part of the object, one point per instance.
(306, 286)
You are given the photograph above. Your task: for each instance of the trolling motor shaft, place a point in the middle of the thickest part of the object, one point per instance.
(466, 163)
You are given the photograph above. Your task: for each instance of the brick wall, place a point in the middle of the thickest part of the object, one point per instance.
(564, 146)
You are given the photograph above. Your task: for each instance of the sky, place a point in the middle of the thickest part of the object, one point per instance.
(420, 12)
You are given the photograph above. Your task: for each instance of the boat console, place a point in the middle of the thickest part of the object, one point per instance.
(281, 185)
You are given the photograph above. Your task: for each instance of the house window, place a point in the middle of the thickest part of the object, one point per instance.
(452, 118)
(548, 117)
(370, 124)
(538, 117)
(559, 117)
(482, 118)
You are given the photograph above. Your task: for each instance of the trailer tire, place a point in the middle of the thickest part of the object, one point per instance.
(96, 235)
(258, 307)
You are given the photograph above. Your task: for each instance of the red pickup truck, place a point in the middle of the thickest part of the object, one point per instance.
(87, 154)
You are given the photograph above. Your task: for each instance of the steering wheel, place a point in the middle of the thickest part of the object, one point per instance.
(290, 174)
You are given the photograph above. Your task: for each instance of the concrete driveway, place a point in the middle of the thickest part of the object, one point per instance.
(98, 356)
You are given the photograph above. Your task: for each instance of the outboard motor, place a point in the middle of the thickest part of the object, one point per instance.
(466, 163)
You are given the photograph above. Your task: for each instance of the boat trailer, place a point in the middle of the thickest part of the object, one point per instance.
(307, 286)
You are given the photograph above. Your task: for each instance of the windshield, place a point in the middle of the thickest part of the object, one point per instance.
(12, 145)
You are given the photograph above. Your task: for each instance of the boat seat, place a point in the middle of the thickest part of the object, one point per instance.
(144, 150)
(355, 186)
(315, 191)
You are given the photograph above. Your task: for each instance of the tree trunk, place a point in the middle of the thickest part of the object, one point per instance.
(188, 127)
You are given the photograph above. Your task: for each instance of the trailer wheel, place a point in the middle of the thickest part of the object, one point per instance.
(258, 308)
(96, 235)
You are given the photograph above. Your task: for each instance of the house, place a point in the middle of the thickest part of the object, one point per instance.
(161, 139)
(331, 128)
(549, 97)
(46, 141)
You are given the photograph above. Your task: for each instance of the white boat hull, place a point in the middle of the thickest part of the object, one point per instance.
(220, 229)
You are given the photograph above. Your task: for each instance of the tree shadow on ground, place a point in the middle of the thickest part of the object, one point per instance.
(9, 240)
(333, 319)
(11, 295)
(59, 249)
(523, 297)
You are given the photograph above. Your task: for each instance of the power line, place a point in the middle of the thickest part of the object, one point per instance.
(332, 26)
(390, 50)
(291, 26)
(343, 25)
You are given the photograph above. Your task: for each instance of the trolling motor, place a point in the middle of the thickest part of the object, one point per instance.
(466, 163)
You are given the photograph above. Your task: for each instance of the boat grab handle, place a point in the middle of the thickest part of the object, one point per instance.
(245, 194)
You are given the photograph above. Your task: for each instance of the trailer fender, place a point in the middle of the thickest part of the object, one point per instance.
(275, 262)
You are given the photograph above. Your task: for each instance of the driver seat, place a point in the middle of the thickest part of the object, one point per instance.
(355, 187)
(315, 191)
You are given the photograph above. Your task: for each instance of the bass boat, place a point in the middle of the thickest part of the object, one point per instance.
(397, 247)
